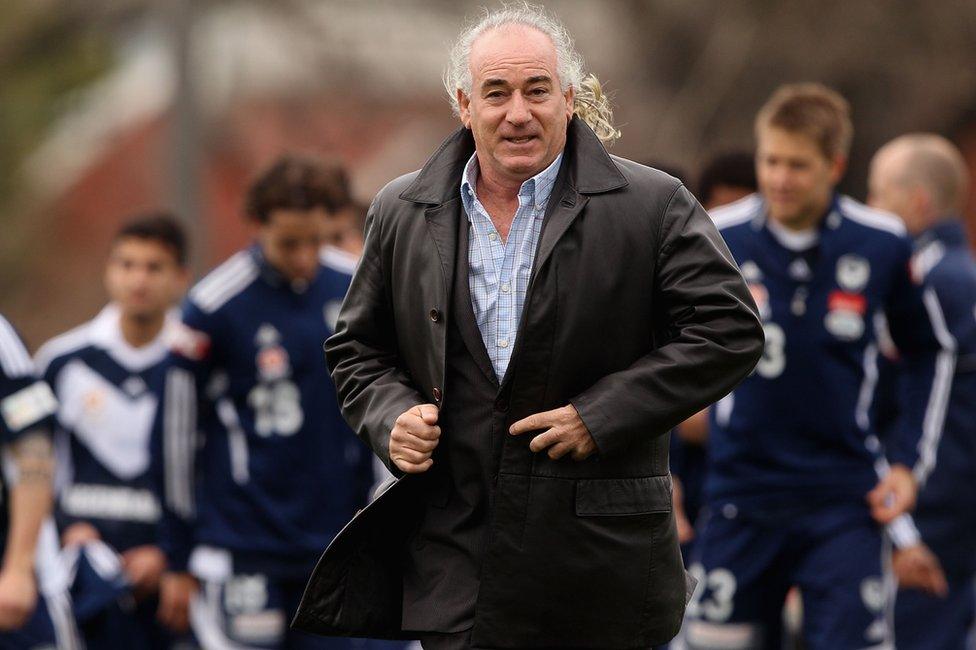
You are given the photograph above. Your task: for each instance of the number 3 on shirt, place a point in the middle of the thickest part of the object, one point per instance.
(773, 360)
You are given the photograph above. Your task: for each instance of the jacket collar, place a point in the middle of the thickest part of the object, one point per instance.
(590, 168)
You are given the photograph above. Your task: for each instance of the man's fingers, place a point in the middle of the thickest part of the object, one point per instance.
(534, 422)
(418, 444)
(559, 450)
(427, 412)
(410, 455)
(544, 440)
(413, 468)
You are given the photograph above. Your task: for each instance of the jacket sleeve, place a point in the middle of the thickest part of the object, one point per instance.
(373, 389)
(714, 336)
(928, 352)
(174, 438)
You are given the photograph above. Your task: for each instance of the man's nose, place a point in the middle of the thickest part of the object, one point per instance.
(518, 110)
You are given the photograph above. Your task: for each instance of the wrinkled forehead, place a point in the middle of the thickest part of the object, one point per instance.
(511, 48)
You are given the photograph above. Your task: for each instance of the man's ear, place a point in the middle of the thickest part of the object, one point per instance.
(464, 108)
(570, 96)
(837, 168)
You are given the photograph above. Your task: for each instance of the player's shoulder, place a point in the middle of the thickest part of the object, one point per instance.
(224, 283)
(738, 213)
(64, 347)
(337, 260)
(14, 359)
(871, 220)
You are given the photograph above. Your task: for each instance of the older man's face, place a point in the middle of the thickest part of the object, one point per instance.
(517, 112)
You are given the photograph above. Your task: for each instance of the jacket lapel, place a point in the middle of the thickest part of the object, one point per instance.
(442, 225)
(464, 311)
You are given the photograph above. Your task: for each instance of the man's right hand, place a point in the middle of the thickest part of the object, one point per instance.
(175, 592)
(414, 437)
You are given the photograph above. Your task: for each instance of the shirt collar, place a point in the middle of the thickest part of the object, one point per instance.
(106, 333)
(274, 277)
(538, 189)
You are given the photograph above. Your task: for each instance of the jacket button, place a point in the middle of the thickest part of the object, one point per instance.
(435, 315)
(437, 394)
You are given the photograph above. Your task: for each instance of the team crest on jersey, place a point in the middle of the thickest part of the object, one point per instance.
(761, 297)
(188, 342)
(845, 315)
(853, 272)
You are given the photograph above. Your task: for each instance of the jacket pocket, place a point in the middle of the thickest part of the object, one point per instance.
(621, 497)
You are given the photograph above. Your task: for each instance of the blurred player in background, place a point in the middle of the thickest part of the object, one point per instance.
(923, 179)
(799, 487)
(107, 375)
(279, 472)
(35, 612)
(724, 179)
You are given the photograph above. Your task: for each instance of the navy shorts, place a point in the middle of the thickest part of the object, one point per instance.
(747, 564)
(925, 622)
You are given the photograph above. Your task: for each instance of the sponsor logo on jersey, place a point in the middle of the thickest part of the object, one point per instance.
(272, 363)
(853, 272)
(845, 315)
(188, 343)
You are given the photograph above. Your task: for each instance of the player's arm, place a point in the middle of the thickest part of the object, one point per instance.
(715, 336)
(917, 324)
(27, 407)
(30, 503)
(374, 391)
(174, 444)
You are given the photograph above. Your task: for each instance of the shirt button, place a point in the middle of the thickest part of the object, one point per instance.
(492, 236)
(503, 343)
(506, 287)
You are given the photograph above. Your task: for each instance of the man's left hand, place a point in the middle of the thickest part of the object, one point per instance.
(563, 432)
(894, 495)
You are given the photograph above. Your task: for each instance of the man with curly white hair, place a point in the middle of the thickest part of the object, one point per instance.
(530, 318)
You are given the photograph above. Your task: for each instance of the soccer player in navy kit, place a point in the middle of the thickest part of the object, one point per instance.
(278, 472)
(107, 375)
(33, 615)
(799, 486)
(923, 179)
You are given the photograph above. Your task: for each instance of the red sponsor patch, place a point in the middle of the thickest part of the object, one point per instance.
(844, 301)
(272, 362)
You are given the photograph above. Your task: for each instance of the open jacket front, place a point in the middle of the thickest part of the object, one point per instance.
(635, 314)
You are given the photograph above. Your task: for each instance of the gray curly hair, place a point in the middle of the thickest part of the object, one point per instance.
(591, 104)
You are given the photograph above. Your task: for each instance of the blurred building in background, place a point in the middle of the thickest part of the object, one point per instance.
(109, 107)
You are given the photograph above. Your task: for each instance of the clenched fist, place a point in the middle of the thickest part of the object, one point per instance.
(414, 437)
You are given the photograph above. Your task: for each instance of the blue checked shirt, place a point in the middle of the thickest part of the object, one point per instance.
(499, 272)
